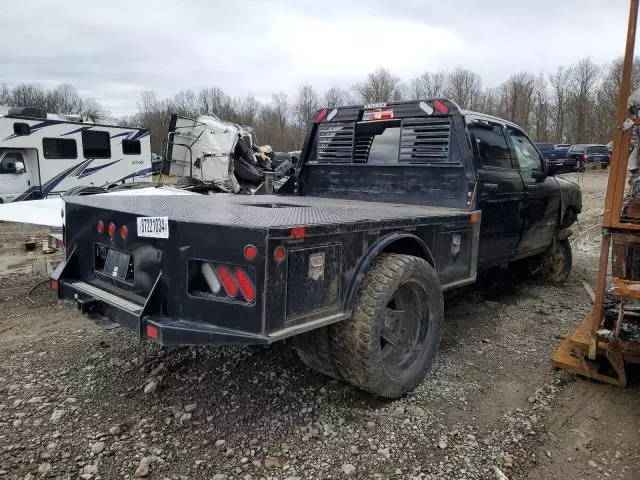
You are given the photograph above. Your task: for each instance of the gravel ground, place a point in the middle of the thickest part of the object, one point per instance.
(80, 401)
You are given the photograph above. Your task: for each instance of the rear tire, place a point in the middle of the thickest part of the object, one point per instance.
(557, 261)
(314, 349)
(389, 343)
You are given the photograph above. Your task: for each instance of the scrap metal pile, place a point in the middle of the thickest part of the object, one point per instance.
(210, 154)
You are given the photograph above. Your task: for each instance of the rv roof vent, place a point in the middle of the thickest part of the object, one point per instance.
(27, 112)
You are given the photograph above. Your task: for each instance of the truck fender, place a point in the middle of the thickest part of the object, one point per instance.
(406, 243)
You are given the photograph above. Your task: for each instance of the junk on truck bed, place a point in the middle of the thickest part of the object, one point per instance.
(210, 154)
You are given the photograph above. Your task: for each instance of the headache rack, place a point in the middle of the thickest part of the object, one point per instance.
(421, 141)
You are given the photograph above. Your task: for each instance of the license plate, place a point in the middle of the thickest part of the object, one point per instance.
(116, 264)
(153, 227)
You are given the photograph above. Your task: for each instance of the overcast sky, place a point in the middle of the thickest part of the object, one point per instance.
(115, 50)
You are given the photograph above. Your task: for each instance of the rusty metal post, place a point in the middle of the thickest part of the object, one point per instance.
(617, 168)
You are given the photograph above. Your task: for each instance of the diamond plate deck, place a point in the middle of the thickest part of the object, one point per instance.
(266, 210)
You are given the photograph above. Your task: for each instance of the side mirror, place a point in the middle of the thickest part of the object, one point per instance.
(550, 169)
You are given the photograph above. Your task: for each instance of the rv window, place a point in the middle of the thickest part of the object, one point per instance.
(8, 163)
(59, 148)
(21, 129)
(96, 144)
(131, 147)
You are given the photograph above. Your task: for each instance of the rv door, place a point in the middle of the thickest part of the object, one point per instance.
(14, 180)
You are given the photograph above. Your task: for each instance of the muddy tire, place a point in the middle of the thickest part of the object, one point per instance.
(389, 343)
(314, 349)
(557, 262)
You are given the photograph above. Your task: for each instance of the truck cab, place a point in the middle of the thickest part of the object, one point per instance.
(447, 158)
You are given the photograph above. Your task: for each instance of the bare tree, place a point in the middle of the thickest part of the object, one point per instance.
(306, 104)
(428, 85)
(379, 86)
(541, 114)
(517, 98)
(28, 95)
(465, 88)
(154, 114)
(559, 97)
(246, 109)
(5, 95)
(215, 101)
(582, 86)
(336, 97)
(64, 99)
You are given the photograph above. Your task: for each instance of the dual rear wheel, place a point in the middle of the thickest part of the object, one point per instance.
(389, 343)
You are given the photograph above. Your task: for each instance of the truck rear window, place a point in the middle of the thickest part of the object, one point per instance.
(377, 142)
(545, 146)
(602, 150)
(387, 142)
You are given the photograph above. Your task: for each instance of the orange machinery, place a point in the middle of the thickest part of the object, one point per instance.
(601, 345)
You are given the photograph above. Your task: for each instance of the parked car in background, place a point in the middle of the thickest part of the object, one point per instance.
(546, 149)
(581, 154)
(555, 155)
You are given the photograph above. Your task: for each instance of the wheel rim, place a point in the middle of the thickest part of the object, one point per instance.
(404, 328)
(556, 260)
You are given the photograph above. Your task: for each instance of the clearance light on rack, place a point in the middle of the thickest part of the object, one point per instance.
(440, 107)
(426, 108)
(377, 114)
(321, 114)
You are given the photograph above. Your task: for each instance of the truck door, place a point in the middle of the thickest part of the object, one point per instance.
(14, 179)
(500, 193)
(542, 195)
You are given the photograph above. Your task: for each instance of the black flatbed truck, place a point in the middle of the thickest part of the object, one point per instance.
(351, 258)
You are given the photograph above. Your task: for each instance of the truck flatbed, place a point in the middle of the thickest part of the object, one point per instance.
(274, 211)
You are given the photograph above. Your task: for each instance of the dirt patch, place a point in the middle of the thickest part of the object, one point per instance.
(76, 399)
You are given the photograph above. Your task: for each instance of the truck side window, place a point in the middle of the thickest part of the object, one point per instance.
(527, 155)
(489, 145)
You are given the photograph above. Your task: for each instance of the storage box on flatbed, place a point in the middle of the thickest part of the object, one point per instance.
(244, 269)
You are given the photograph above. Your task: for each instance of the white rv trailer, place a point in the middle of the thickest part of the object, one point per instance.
(47, 155)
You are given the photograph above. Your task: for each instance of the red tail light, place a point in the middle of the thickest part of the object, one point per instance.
(585, 157)
(441, 107)
(111, 229)
(54, 285)
(298, 232)
(227, 281)
(279, 253)
(124, 232)
(321, 114)
(382, 114)
(250, 252)
(152, 332)
(100, 226)
(246, 286)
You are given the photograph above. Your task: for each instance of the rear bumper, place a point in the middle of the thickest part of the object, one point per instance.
(148, 322)
(162, 329)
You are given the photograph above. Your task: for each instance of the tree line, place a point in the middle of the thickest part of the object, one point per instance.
(576, 104)
(64, 99)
